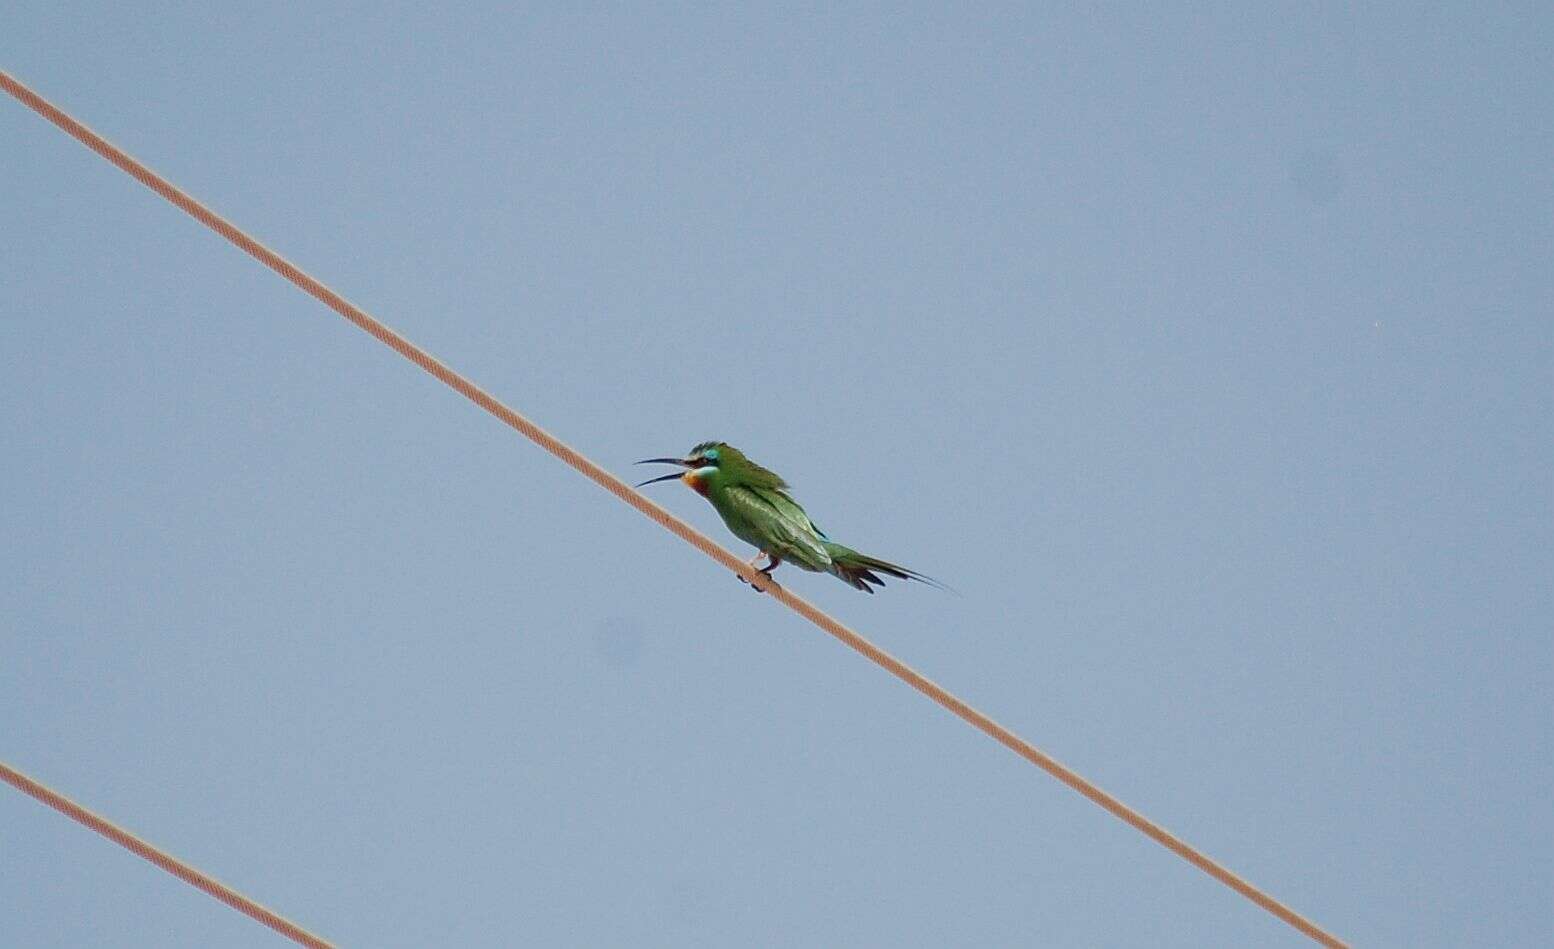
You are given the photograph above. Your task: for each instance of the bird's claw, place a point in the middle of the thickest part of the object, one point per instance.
(741, 578)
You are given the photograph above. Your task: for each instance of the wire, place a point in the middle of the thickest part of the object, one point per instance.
(684, 531)
(161, 858)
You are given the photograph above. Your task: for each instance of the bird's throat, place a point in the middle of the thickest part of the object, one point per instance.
(697, 484)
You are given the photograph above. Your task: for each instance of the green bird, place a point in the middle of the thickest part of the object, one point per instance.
(755, 504)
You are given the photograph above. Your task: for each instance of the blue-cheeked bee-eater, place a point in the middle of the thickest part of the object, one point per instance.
(756, 505)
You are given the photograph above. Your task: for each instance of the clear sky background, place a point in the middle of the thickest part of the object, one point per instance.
(1209, 354)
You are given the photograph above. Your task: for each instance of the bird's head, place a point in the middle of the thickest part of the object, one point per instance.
(701, 466)
(715, 463)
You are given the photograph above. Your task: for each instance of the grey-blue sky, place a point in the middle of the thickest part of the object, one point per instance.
(1209, 354)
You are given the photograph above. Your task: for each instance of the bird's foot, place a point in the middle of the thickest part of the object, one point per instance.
(771, 564)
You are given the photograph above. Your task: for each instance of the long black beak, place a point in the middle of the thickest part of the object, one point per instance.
(663, 461)
(672, 476)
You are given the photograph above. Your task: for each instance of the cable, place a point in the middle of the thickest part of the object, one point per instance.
(656, 513)
(161, 858)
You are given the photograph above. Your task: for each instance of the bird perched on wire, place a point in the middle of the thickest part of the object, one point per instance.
(755, 504)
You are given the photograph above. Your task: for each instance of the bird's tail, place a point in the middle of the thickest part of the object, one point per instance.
(860, 570)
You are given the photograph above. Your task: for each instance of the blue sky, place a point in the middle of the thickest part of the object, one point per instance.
(1208, 354)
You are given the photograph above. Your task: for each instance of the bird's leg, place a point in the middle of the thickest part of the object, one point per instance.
(751, 563)
(766, 571)
(772, 562)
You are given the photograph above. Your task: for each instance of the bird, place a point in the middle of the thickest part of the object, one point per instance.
(756, 504)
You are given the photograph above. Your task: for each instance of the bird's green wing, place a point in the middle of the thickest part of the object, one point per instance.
(788, 508)
(780, 524)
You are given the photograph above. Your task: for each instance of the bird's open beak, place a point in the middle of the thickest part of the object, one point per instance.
(663, 461)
